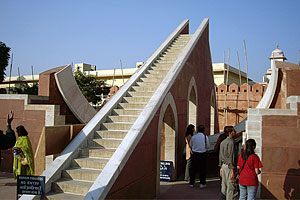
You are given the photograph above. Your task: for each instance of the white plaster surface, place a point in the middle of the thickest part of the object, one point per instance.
(267, 99)
(73, 96)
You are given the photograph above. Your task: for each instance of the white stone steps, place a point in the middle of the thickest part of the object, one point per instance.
(167, 58)
(136, 105)
(149, 84)
(157, 79)
(82, 174)
(163, 71)
(126, 111)
(97, 152)
(135, 99)
(119, 134)
(143, 89)
(89, 163)
(122, 118)
(140, 94)
(165, 61)
(104, 143)
(116, 126)
(72, 186)
(151, 75)
(63, 196)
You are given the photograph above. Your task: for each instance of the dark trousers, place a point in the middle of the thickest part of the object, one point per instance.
(198, 165)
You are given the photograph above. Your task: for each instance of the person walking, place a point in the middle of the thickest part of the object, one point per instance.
(227, 163)
(249, 166)
(188, 150)
(199, 144)
(7, 140)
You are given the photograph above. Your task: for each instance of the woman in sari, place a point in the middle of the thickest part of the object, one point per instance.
(23, 155)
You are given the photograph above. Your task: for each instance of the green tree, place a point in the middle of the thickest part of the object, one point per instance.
(91, 87)
(4, 57)
(24, 88)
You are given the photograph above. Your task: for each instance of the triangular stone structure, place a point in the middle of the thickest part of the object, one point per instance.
(117, 154)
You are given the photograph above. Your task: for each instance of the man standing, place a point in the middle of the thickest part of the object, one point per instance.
(199, 144)
(227, 163)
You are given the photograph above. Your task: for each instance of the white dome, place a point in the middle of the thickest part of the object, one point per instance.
(277, 54)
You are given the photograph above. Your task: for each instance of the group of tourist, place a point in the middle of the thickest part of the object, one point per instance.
(235, 170)
(21, 148)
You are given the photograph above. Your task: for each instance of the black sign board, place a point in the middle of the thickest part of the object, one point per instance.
(166, 168)
(34, 185)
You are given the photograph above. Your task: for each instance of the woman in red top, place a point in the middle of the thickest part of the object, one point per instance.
(248, 181)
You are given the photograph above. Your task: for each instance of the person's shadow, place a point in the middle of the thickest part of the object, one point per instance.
(292, 183)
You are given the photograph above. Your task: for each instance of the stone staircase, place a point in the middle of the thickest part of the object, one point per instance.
(76, 181)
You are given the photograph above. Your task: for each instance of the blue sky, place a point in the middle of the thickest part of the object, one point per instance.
(47, 34)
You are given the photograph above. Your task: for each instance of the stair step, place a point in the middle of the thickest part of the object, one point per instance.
(160, 71)
(140, 94)
(92, 163)
(136, 105)
(72, 186)
(122, 118)
(168, 58)
(97, 152)
(126, 111)
(149, 84)
(81, 174)
(156, 79)
(160, 75)
(135, 99)
(116, 126)
(104, 143)
(110, 134)
(62, 196)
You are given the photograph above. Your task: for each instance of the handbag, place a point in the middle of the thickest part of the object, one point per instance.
(237, 178)
(24, 161)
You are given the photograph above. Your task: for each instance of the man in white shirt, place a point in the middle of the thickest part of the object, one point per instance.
(199, 144)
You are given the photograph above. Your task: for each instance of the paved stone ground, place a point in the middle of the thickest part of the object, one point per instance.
(8, 186)
(181, 190)
(168, 190)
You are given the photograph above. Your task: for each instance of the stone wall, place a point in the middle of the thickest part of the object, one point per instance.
(34, 112)
(232, 102)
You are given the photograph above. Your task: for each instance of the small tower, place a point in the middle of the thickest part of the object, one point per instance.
(277, 55)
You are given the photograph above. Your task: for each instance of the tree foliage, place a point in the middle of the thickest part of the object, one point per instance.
(4, 57)
(24, 88)
(91, 87)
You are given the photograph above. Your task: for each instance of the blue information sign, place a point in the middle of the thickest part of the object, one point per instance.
(166, 170)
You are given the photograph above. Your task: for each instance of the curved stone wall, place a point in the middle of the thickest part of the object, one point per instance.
(73, 96)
